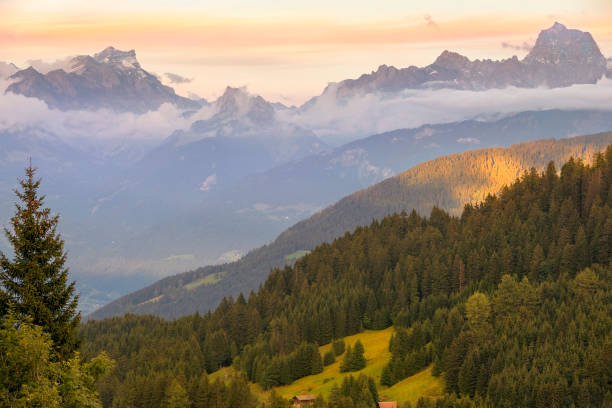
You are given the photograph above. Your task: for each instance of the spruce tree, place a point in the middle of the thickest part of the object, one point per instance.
(358, 360)
(35, 282)
(346, 362)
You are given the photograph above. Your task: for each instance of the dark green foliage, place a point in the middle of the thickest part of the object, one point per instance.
(347, 360)
(338, 346)
(329, 358)
(31, 376)
(354, 392)
(354, 359)
(410, 353)
(276, 401)
(511, 301)
(35, 283)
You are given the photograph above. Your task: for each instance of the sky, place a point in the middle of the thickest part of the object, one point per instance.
(284, 50)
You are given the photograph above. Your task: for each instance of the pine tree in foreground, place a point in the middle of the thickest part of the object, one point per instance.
(35, 281)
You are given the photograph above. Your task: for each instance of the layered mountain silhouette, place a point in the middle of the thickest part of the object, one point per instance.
(448, 182)
(561, 57)
(243, 172)
(111, 79)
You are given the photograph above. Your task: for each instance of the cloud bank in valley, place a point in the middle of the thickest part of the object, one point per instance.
(19, 112)
(336, 122)
(342, 121)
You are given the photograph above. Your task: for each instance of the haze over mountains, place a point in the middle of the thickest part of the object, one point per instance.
(448, 182)
(151, 183)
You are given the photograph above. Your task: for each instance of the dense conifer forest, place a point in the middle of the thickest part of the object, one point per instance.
(511, 302)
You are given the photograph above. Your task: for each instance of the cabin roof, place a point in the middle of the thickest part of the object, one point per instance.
(305, 397)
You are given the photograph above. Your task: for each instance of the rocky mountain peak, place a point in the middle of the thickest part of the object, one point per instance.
(558, 44)
(232, 101)
(237, 102)
(111, 79)
(29, 72)
(452, 60)
(111, 55)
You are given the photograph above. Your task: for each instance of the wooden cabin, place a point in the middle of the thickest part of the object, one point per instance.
(302, 400)
(387, 404)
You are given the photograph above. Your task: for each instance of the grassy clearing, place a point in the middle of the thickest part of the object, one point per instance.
(376, 344)
(296, 255)
(207, 280)
(422, 384)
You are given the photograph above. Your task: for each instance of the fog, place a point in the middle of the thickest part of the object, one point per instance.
(336, 122)
(340, 122)
(19, 112)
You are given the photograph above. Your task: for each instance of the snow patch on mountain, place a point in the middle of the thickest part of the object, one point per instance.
(209, 182)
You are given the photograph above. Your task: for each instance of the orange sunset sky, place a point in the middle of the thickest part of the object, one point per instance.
(286, 51)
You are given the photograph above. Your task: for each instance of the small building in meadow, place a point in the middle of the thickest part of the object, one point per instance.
(304, 399)
(387, 404)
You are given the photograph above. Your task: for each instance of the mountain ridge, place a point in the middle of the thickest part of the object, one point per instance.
(247, 273)
(111, 79)
(561, 57)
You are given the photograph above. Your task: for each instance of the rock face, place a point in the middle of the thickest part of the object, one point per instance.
(111, 79)
(561, 57)
(237, 105)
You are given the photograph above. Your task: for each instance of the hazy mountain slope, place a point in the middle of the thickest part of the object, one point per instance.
(254, 210)
(447, 182)
(7, 69)
(110, 79)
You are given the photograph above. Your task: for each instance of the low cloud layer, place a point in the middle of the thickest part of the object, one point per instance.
(371, 114)
(19, 112)
(45, 67)
(525, 46)
(335, 122)
(177, 79)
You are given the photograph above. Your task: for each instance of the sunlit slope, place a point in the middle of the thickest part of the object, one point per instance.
(376, 344)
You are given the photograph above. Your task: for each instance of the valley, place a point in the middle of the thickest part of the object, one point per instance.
(322, 205)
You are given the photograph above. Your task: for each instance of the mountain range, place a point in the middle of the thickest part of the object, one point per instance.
(239, 170)
(111, 79)
(448, 182)
(227, 221)
(561, 57)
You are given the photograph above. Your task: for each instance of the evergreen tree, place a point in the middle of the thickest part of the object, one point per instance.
(346, 361)
(35, 281)
(338, 347)
(176, 396)
(329, 358)
(358, 360)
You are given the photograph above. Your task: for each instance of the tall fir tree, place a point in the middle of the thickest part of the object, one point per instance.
(35, 282)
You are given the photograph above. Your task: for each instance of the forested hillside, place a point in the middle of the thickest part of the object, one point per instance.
(511, 302)
(447, 182)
